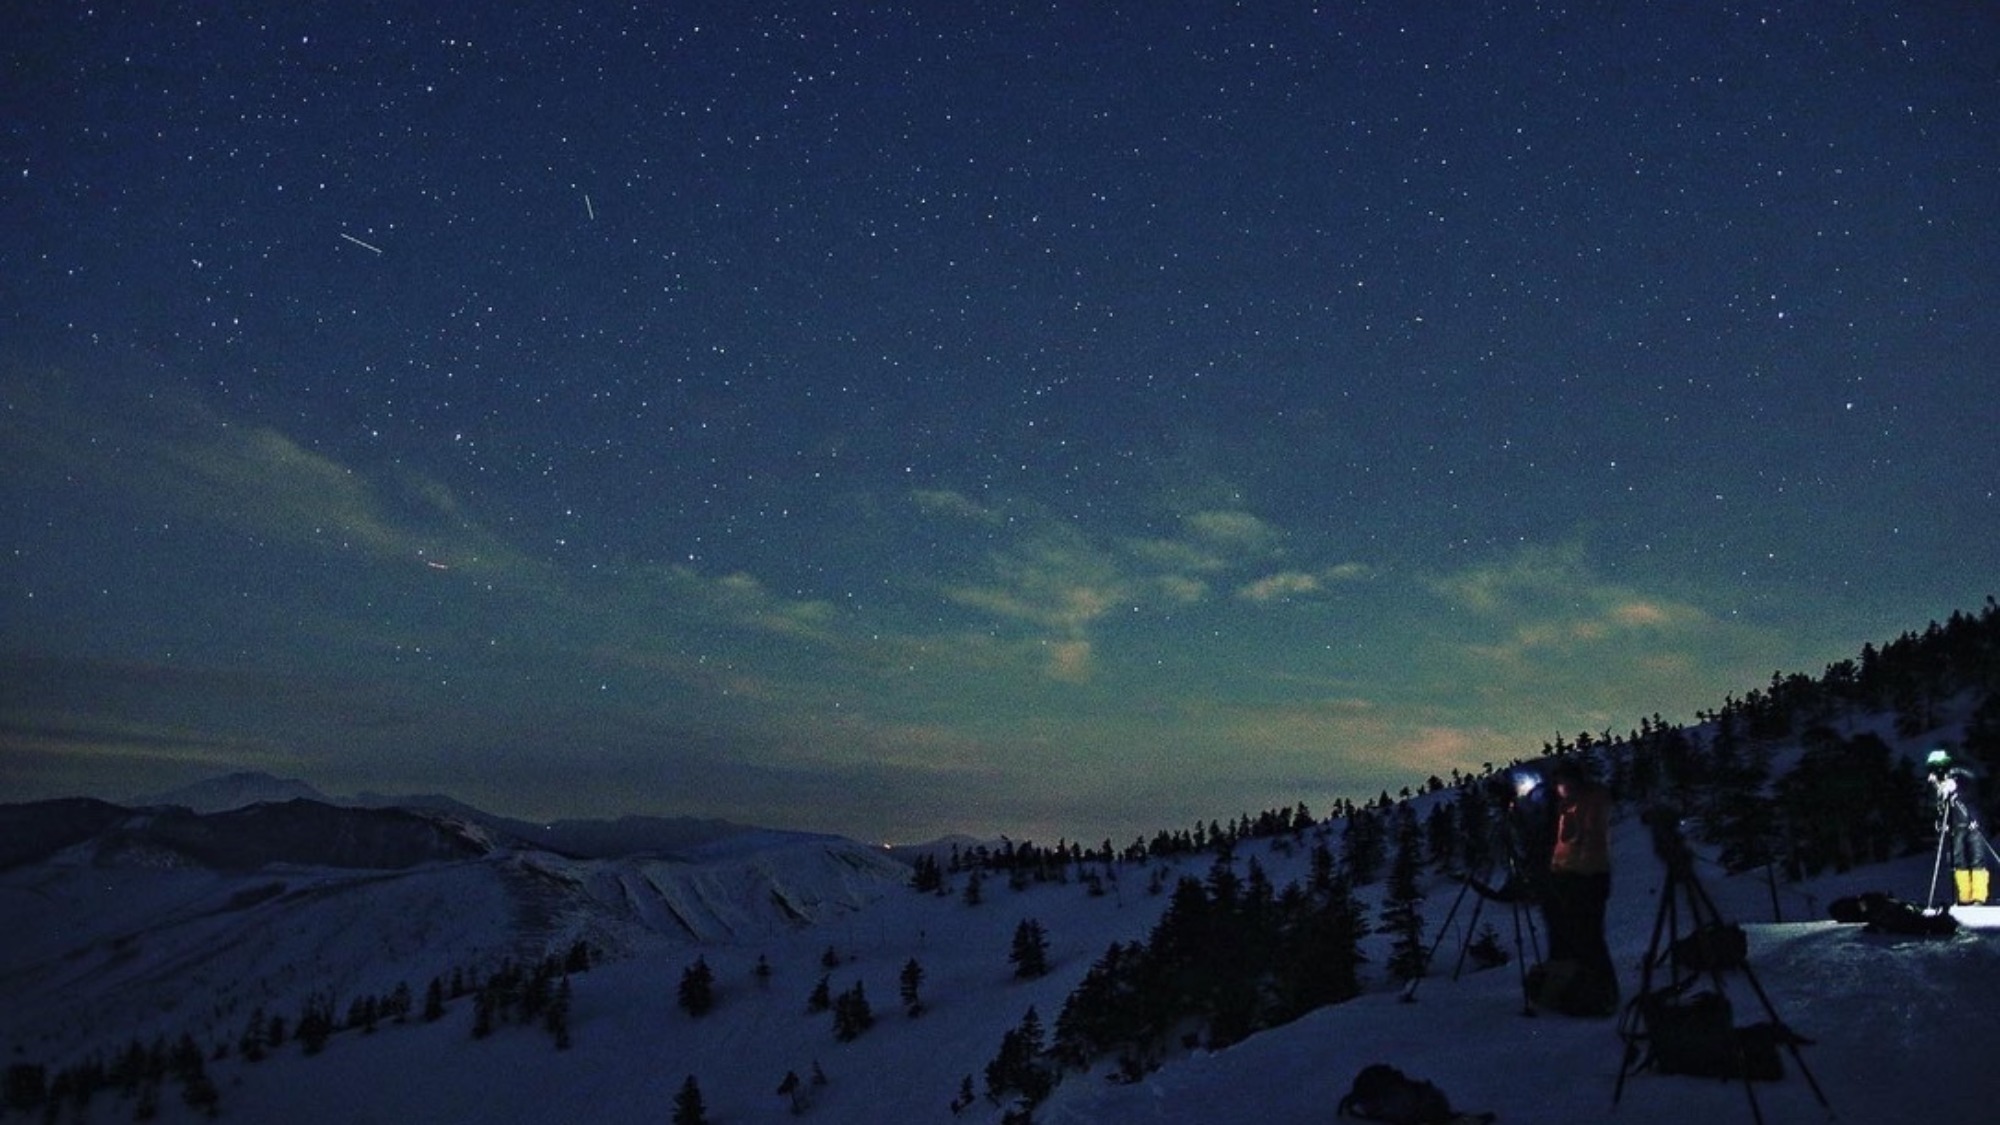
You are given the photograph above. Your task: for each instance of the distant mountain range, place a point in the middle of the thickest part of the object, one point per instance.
(233, 791)
(577, 838)
(297, 832)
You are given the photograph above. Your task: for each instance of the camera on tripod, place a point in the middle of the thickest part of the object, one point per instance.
(1668, 843)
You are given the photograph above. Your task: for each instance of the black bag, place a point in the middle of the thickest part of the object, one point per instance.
(1697, 1035)
(1885, 914)
(1383, 1093)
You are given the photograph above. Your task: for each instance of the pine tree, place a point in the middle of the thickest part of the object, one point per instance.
(482, 1014)
(852, 1014)
(556, 1019)
(26, 1086)
(1030, 952)
(912, 979)
(697, 991)
(1400, 917)
(1362, 845)
(1019, 1067)
(689, 1109)
(965, 1097)
(821, 997)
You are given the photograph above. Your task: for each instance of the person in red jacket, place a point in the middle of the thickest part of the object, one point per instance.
(1579, 884)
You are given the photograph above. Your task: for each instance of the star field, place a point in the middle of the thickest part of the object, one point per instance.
(1046, 418)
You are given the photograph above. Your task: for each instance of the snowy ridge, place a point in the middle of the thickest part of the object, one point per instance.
(1882, 1011)
(1899, 1026)
(747, 893)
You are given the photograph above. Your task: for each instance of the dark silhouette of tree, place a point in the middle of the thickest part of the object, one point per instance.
(251, 1043)
(697, 988)
(315, 1024)
(689, 1109)
(1401, 919)
(965, 1097)
(483, 1017)
(927, 875)
(1018, 1067)
(1363, 846)
(911, 980)
(26, 1086)
(852, 1014)
(1847, 802)
(1030, 952)
(556, 1020)
(821, 997)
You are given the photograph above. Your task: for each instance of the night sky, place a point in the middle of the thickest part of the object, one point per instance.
(1060, 419)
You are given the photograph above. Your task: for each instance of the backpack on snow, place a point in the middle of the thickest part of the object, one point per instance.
(1885, 914)
(1697, 1035)
(1383, 1093)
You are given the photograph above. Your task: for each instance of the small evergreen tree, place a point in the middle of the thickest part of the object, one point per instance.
(1019, 1067)
(1030, 952)
(556, 1019)
(697, 990)
(689, 1109)
(912, 979)
(965, 1097)
(1400, 918)
(852, 1014)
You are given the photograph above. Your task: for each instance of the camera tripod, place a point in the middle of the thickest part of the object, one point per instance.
(1521, 910)
(1682, 888)
(1950, 801)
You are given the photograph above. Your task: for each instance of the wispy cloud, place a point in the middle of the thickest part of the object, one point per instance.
(1300, 583)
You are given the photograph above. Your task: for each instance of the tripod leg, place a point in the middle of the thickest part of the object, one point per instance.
(1471, 929)
(1521, 957)
(1698, 893)
(1628, 1032)
(1410, 990)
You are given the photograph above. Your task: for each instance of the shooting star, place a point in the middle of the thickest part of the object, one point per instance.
(588, 209)
(358, 242)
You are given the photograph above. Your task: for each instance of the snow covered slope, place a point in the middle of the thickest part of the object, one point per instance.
(1900, 1027)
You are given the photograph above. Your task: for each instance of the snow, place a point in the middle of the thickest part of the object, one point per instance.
(1902, 1029)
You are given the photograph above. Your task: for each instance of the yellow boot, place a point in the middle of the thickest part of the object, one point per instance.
(1980, 881)
(1963, 877)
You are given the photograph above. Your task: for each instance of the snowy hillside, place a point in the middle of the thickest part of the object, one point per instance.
(1900, 1027)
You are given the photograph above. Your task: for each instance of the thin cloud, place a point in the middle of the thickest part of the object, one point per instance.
(1298, 583)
